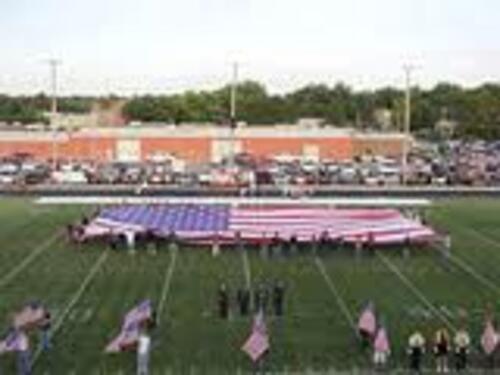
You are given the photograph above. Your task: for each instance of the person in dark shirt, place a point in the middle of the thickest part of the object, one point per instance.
(257, 299)
(276, 245)
(243, 297)
(45, 326)
(113, 242)
(264, 297)
(324, 241)
(70, 229)
(223, 302)
(371, 243)
(278, 298)
(293, 245)
(85, 221)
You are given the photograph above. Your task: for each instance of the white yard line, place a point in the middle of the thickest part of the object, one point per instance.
(476, 233)
(74, 300)
(333, 289)
(30, 258)
(166, 285)
(247, 269)
(410, 285)
(482, 236)
(471, 271)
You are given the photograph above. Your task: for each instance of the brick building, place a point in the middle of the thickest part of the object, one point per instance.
(196, 143)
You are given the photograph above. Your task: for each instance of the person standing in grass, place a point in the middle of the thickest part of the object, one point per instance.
(276, 245)
(416, 351)
(223, 302)
(278, 298)
(367, 325)
(441, 350)
(23, 354)
(358, 246)
(45, 326)
(462, 343)
(324, 242)
(381, 349)
(143, 352)
(243, 297)
(216, 246)
(294, 245)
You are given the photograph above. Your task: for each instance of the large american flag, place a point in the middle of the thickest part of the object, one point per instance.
(207, 221)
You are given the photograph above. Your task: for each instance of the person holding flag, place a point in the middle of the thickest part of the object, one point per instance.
(45, 326)
(23, 354)
(17, 341)
(382, 348)
(134, 321)
(257, 344)
(367, 325)
(143, 352)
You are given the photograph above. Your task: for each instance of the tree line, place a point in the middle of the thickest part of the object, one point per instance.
(476, 111)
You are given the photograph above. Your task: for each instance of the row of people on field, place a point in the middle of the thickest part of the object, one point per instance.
(268, 298)
(272, 247)
(448, 352)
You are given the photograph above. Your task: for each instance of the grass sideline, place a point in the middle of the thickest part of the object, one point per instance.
(315, 334)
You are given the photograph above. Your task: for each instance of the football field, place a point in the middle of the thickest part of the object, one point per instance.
(88, 290)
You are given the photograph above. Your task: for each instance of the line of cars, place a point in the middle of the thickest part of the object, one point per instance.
(457, 164)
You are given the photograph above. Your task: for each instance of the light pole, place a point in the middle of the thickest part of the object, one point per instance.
(234, 88)
(408, 69)
(232, 115)
(53, 65)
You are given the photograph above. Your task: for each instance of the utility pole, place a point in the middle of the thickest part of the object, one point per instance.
(232, 115)
(53, 65)
(234, 88)
(408, 69)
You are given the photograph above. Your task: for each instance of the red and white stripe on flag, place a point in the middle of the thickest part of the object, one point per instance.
(258, 342)
(256, 345)
(489, 339)
(367, 322)
(29, 316)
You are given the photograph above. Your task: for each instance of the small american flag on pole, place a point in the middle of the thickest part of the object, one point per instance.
(489, 339)
(257, 343)
(131, 327)
(127, 338)
(367, 321)
(139, 314)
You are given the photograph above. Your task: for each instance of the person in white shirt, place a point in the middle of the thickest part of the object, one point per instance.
(130, 238)
(143, 352)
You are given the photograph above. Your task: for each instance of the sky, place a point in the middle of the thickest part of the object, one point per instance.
(164, 46)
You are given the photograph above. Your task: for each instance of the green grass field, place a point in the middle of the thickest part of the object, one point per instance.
(88, 291)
